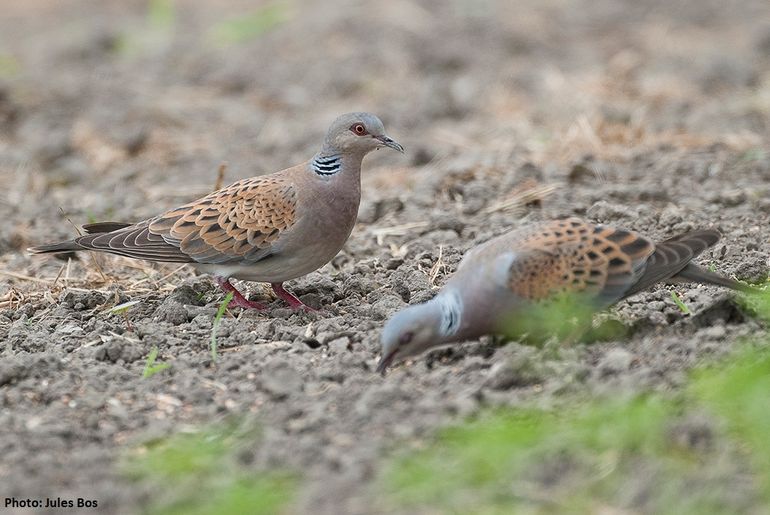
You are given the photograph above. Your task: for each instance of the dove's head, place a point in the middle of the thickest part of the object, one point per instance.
(358, 133)
(418, 328)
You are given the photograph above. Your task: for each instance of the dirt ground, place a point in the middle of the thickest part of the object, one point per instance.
(653, 115)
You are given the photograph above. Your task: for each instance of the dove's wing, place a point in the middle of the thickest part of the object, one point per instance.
(572, 256)
(607, 263)
(674, 255)
(242, 222)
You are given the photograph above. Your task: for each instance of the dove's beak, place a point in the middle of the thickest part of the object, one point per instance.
(390, 143)
(386, 360)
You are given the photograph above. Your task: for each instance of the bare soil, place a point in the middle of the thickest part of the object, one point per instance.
(653, 115)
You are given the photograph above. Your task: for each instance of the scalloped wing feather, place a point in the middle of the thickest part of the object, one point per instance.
(239, 223)
(572, 256)
(134, 241)
(673, 256)
(607, 263)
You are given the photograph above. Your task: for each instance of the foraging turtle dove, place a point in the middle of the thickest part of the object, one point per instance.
(499, 279)
(270, 228)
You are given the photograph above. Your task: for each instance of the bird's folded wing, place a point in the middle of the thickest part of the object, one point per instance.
(134, 241)
(240, 223)
(574, 257)
(673, 256)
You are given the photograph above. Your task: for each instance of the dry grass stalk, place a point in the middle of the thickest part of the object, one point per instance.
(23, 277)
(438, 267)
(220, 176)
(528, 192)
(397, 230)
(11, 299)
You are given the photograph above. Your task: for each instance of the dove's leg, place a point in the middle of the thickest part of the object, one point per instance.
(238, 300)
(293, 301)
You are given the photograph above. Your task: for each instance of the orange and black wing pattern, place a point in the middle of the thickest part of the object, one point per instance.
(575, 257)
(240, 223)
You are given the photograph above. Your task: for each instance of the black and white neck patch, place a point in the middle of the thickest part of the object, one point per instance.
(326, 165)
(451, 313)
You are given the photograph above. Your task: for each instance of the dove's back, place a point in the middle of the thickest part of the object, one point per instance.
(540, 260)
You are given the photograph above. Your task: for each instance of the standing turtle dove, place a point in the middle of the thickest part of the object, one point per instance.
(500, 279)
(270, 228)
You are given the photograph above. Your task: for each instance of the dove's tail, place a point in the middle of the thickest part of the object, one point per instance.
(72, 245)
(688, 246)
(671, 262)
(695, 274)
(63, 246)
(693, 244)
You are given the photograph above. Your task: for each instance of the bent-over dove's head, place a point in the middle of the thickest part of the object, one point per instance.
(410, 332)
(358, 133)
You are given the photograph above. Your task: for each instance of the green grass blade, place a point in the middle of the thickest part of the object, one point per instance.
(249, 26)
(681, 305)
(121, 308)
(217, 319)
(161, 13)
(199, 473)
(9, 66)
(151, 367)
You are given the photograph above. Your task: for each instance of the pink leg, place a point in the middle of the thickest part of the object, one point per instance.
(293, 301)
(239, 300)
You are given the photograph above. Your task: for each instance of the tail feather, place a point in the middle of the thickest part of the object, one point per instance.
(699, 240)
(102, 227)
(73, 245)
(672, 256)
(124, 239)
(695, 274)
(63, 246)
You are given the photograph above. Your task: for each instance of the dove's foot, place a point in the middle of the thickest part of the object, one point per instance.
(290, 299)
(239, 301)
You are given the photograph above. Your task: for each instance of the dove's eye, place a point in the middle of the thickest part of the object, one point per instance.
(358, 129)
(405, 338)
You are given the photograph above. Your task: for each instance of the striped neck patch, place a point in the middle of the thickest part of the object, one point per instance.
(451, 313)
(326, 165)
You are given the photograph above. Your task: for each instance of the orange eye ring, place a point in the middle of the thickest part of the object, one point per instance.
(358, 129)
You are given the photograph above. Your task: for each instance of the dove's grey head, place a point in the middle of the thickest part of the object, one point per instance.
(418, 328)
(357, 133)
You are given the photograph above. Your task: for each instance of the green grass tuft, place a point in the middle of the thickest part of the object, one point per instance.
(9, 66)
(151, 366)
(757, 303)
(197, 473)
(681, 305)
(181, 455)
(217, 319)
(739, 392)
(501, 461)
(250, 26)
(254, 495)
(161, 13)
(564, 316)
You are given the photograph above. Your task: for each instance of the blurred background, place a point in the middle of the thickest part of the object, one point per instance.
(149, 97)
(649, 114)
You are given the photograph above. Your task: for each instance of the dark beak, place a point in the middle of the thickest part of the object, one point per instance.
(390, 143)
(386, 360)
